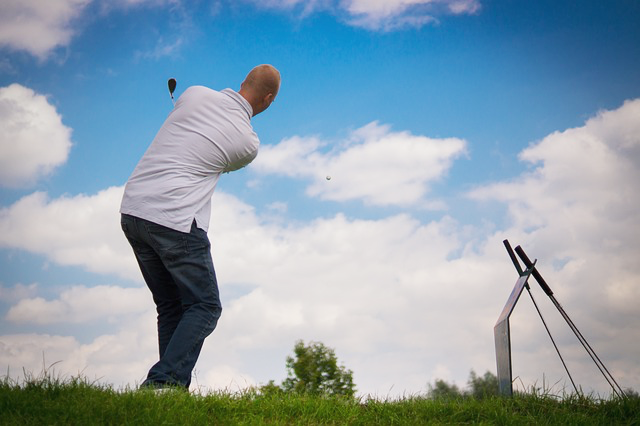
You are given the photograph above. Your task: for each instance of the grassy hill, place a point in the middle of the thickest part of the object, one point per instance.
(77, 402)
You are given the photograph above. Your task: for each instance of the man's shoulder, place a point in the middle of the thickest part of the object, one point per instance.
(200, 91)
(227, 99)
(203, 93)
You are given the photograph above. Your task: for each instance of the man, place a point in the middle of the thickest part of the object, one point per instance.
(166, 208)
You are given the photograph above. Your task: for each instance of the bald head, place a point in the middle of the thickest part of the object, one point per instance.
(260, 87)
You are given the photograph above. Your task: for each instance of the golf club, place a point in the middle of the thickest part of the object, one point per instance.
(172, 86)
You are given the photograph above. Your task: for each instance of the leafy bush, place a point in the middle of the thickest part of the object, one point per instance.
(444, 390)
(314, 370)
(478, 388)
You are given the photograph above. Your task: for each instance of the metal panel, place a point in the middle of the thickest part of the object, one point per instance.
(503, 357)
(501, 334)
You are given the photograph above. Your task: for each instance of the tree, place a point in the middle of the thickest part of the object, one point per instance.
(314, 370)
(477, 387)
(483, 387)
(443, 390)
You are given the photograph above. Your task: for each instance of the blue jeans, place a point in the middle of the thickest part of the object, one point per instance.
(178, 270)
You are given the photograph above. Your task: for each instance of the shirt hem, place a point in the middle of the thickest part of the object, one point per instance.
(159, 221)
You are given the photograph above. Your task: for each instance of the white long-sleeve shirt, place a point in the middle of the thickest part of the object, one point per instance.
(207, 133)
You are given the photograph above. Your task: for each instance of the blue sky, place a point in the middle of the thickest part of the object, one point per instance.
(446, 126)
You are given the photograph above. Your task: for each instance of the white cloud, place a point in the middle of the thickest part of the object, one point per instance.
(80, 304)
(354, 284)
(388, 15)
(459, 7)
(163, 49)
(579, 202)
(17, 292)
(33, 141)
(375, 165)
(385, 15)
(123, 357)
(135, 3)
(38, 27)
(81, 230)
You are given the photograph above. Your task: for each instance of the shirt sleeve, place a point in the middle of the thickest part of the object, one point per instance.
(241, 162)
(244, 153)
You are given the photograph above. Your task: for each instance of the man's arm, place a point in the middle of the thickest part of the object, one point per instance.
(240, 160)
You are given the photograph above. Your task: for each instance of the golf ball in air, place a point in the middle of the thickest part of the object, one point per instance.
(328, 177)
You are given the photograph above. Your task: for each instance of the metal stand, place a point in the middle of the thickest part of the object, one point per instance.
(502, 333)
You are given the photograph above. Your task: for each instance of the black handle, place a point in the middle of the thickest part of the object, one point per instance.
(536, 274)
(513, 257)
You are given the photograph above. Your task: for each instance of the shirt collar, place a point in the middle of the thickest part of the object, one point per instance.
(241, 100)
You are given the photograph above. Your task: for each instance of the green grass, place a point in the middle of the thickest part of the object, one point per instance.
(78, 402)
